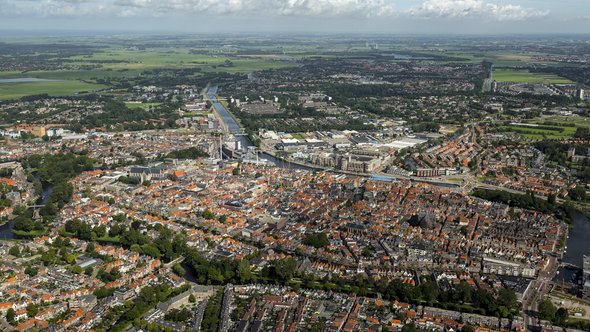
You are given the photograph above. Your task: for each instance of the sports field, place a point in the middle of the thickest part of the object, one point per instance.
(524, 76)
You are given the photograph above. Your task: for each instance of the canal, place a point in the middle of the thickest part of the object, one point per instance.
(234, 128)
(578, 245)
(6, 229)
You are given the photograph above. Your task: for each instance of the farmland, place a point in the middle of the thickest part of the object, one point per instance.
(524, 76)
(55, 88)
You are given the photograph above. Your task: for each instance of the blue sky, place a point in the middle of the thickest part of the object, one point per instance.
(384, 16)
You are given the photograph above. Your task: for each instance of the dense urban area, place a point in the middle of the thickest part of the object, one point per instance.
(295, 183)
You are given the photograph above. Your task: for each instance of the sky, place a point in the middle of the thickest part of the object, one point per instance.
(299, 16)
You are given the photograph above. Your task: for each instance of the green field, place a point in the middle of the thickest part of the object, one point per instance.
(577, 120)
(538, 133)
(141, 105)
(524, 76)
(61, 88)
(117, 62)
(179, 58)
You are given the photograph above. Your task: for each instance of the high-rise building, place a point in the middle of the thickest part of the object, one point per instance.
(580, 94)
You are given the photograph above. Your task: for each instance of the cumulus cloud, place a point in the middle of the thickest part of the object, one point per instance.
(478, 9)
(362, 8)
(46, 8)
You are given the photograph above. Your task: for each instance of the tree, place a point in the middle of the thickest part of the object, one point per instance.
(178, 269)
(207, 214)
(77, 269)
(32, 310)
(409, 327)
(464, 292)
(104, 292)
(547, 310)
(31, 271)
(177, 315)
(467, 328)
(318, 240)
(561, 316)
(14, 251)
(115, 230)
(244, 273)
(100, 231)
(151, 251)
(577, 194)
(10, 315)
(507, 298)
(192, 298)
(551, 199)
(81, 229)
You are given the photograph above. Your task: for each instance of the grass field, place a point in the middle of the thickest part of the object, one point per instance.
(141, 105)
(61, 88)
(538, 133)
(122, 63)
(573, 119)
(524, 76)
(179, 58)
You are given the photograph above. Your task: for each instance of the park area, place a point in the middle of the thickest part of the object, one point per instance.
(524, 76)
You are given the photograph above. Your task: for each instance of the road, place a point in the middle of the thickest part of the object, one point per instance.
(539, 288)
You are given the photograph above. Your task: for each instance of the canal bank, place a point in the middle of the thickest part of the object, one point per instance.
(6, 228)
(577, 245)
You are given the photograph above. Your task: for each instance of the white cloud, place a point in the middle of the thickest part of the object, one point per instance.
(477, 9)
(362, 8)
(488, 10)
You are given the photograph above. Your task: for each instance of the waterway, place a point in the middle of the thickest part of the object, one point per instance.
(6, 229)
(578, 245)
(26, 80)
(235, 129)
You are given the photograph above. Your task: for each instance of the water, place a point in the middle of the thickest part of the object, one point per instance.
(189, 274)
(6, 229)
(577, 245)
(234, 128)
(26, 80)
(578, 242)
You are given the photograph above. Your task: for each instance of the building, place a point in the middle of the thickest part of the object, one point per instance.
(504, 267)
(146, 173)
(580, 94)
(586, 268)
(577, 158)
